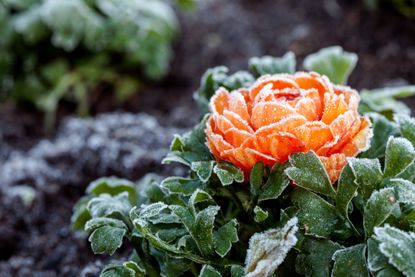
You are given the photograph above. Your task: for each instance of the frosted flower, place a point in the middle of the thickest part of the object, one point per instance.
(283, 114)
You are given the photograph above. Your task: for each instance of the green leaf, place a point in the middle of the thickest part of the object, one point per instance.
(315, 258)
(203, 169)
(350, 260)
(190, 147)
(399, 247)
(237, 271)
(346, 191)
(225, 236)
(181, 186)
(95, 223)
(384, 101)
(404, 190)
(209, 271)
(256, 178)
(113, 186)
(307, 171)
(268, 250)
(406, 127)
(80, 213)
(240, 79)
(228, 173)
(316, 216)
(333, 62)
(273, 65)
(119, 270)
(260, 214)
(379, 207)
(203, 229)
(382, 128)
(400, 154)
(106, 239)
(368, 175)
(275, 185)
(106, 205)
(377, 262)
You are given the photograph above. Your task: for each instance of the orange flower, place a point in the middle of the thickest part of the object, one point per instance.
(283, 114)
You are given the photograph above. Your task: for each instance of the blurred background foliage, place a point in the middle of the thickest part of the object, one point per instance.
(54, 49)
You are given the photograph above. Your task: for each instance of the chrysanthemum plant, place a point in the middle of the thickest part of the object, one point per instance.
(290, 174)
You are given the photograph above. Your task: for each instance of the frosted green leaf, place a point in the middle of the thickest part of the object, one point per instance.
(377, 262)
(260, 214)
(273, 65)
(106, 239)
(228, 173)
(113, 186)
(368, 175)
(190, 147)
(382, 128)
(225, 236)
(256, 178)
(209, 271)
(399, 247)
(308, 172)
(237, 271)
(406, 126)
(384, 101)
(333, 62)
(350, 260)
(103, 221)
(119, 270)
(203, 229)
(315, 215)
(400, 154)
(379, 207)
(404, 190)
(200, 196)
(106, 205)
(315, 258)
(268, 250)
(203, 169)
(80, 213)
(240, 79)
(275, 184)
(181, 186)
(346, 191)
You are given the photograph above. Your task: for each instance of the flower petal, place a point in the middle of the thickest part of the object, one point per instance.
(266, 113)
(334, 165)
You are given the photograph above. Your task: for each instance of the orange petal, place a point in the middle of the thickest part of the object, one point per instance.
(307, 108)
(313, 134)
(283, 144)
(334, 105)
(360, 142)
(246, 158)
(334, 165)
(266, 113)
(237, 121)
(272, 82)
(238, 105)
(219, 101)
(215, 141)
(313, 81)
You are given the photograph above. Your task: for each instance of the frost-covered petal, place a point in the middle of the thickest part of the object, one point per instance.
(266, 113)
(334, 165)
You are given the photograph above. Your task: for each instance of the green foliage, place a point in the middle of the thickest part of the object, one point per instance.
(54, 49)
(288, 220)
(332, 62)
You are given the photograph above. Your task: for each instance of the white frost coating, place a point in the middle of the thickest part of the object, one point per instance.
(114, 143)
(268, 250)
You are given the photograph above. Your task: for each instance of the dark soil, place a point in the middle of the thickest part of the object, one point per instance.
(36, 240)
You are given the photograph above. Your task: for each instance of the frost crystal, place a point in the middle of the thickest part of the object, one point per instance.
(114, 143)
(268, 250)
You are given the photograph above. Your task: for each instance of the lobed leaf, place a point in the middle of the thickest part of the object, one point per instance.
(379, 207)
(276, 183)
(400, 154)
(333, 62)
(316, 216)
(113, 186)
(209, 271)
(273, 65)
(228, 173)
(399, 247)
(225, 236)
(368, 175)
(268, 250)
(106, 239)
(351, 259)
(406, 126)
(307, 171)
